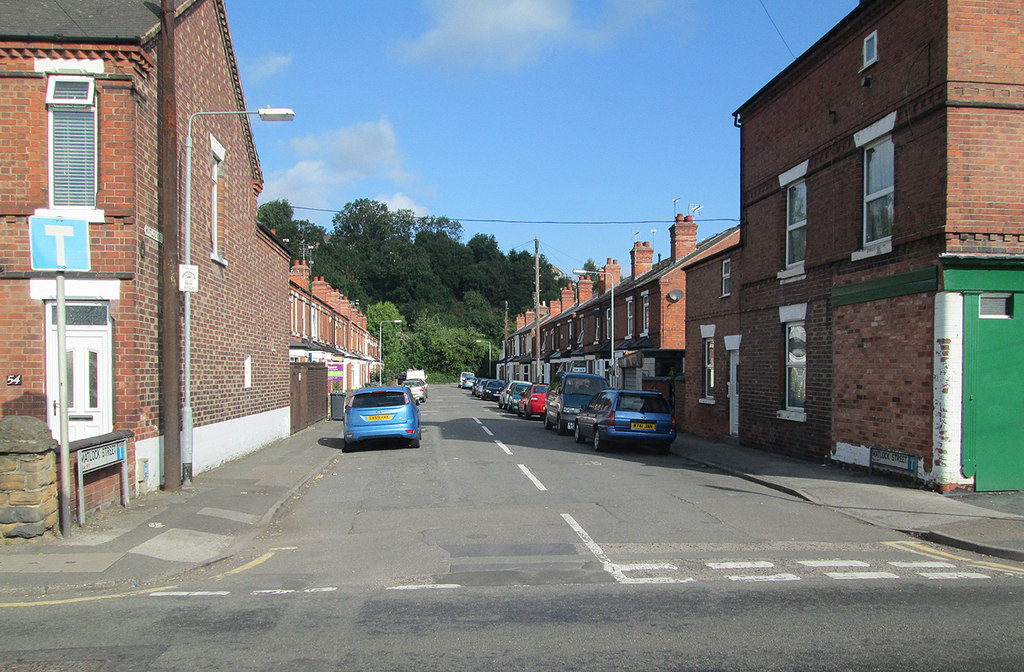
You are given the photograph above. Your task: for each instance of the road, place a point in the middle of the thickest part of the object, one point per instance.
(498, 545)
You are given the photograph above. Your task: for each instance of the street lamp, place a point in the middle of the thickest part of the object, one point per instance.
(266, 114)
(611, 335)
(488, 355)
(380, 344)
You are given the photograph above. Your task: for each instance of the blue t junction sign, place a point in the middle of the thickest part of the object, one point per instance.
(59, 244)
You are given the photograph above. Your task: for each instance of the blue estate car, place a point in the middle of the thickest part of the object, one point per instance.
(626, 416)
(382, 413)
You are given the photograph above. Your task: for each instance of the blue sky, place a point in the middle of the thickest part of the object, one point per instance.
(540, 111)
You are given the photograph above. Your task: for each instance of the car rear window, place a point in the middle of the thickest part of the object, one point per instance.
(540, 389)
(520, 388)
(378, 399)
(495, 385)
(642, 403)
(413, 382)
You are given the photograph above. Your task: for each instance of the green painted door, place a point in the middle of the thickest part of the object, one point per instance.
(994, 390)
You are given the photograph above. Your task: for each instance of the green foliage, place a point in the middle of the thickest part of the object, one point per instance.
(448, 294)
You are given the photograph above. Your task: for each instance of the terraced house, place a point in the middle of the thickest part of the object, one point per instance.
(876, 306)
(78, 141)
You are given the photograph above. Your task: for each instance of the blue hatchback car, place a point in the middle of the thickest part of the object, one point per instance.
(626, 416)
(382, 413)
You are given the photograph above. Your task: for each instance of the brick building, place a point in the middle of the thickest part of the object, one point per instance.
(78, 140)
(872, 311)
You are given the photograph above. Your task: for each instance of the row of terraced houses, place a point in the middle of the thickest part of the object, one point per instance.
(78, 142)
(864, 311)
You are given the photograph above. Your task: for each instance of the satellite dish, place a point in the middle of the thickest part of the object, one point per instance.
(675, 295)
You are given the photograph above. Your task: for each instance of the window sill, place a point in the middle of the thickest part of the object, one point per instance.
(219, 259)
(706, 400)
(791, 274)
(873, 250)
(794, 416)
(725, 296)
(91, 215)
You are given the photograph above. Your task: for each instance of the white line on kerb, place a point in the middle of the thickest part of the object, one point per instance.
(487, 431)
(536, 481)
(503, 447)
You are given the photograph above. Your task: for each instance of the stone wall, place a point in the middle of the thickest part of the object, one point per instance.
(28, 477)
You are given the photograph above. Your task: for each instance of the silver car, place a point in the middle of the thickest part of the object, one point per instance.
(417, 388)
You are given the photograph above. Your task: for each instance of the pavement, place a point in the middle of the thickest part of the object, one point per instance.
(165, 534)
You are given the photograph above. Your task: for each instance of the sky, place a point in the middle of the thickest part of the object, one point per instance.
(585, 123)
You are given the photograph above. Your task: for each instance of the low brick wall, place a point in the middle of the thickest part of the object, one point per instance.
(28, 477)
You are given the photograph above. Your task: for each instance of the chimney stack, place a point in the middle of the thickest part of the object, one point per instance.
(567, 298)
(585, 288)
(684, 236)
(610, 277)
(641, 258)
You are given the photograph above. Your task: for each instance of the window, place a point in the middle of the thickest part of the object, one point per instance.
(247, 371)
(217, 168)
(726, 277)
(796, 223)
(870, 49)
(597, 326)
(796, 366)
(645, 313)
(996, 306)
(709, 368)
(608, 323)
(629, 318)
(878, 191)
(72, 141)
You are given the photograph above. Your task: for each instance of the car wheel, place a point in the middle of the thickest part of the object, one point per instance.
(561, 426)
(526, 414)
(599, 445)
(576, 434)
(547, 422)
(415, 443)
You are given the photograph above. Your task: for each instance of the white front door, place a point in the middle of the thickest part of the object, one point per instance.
(90, 370)
(734, 393)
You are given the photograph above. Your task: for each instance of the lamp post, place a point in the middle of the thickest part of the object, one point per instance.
(380, 343)
(611, 335)
(488, 355)
(266, 114)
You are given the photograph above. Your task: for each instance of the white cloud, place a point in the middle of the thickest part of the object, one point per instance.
(308, 183)
(368, 149)
(267, 66)
(400, 201)
(509, 34)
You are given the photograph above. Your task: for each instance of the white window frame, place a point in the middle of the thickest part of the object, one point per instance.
(608, 322)
(1007, 314)
(869, 54)
(884, 192)
(866, 139)
(597, 326)
(217, 165)
(794, 225)
(645, 312)
(707, 335)
(790, 317)
(86, 104)
(726, 277)
(629, 317)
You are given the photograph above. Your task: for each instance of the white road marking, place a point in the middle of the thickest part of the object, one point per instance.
(503, 447)
(833, 563)
(536, 481)
(757, 564)
(477, 421)
(618, 571)
(854, 576)
(923, 565)
(195, 593)
(487, 431)
(766, 577)
(649, 566)
(953, 575)
(429, 586)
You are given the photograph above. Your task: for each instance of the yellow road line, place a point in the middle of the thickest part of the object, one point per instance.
(917, 547)
(249, 565)
(73, 600)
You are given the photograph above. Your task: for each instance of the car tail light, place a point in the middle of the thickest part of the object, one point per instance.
(611, 419)
(673, 422)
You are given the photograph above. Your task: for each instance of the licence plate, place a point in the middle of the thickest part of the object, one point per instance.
(650, 426)
(371, 418)
(570, 426)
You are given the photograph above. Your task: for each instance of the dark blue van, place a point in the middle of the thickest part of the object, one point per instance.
(567, 394)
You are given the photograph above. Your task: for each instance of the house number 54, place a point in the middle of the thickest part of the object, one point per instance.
(14, 379)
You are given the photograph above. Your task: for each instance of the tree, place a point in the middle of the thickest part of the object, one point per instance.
(299, 236)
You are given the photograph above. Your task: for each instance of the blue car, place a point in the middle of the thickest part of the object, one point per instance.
(382, 413)
(626, 417)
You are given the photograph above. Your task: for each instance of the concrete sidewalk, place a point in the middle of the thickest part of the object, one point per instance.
(988, 523)
(165, 534)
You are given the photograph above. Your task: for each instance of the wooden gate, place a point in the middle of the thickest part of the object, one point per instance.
(308, 394)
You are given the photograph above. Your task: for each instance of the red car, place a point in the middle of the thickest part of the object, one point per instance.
(532, 401)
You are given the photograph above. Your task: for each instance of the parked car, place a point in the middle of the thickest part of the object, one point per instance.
(466, 379)
(478, 386)
(531, 403)
(374, 413)
(626, 417)
(491, 389)
(418, 389)
(568, 393)
(503, 397)
(515, 393)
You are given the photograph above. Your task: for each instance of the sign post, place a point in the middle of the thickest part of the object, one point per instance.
(61, 245)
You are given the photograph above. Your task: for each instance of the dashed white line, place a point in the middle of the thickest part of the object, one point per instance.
(855, 576)
(193, 593)
(427, 586)
(757, 564)
(833, 563)
(536, 481)
(765, 577)
(923, 565)
(477, 421)
(503, 447)
(953, 575)
(618, 571)
(486, 431)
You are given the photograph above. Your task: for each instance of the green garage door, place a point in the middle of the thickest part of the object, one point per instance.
(993, 418)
